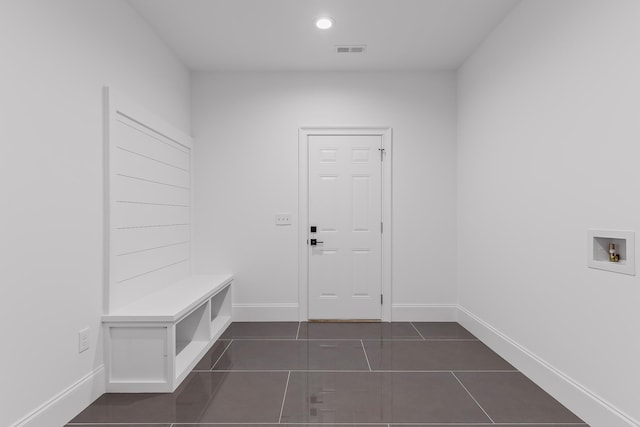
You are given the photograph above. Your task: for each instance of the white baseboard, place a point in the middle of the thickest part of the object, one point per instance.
(61, 408)
(424, 312)
(279, 312)
(269, 312)
(593, 409)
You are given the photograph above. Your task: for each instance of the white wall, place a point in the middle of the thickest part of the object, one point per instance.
(56, 57)
(246, 171)
(549, 138)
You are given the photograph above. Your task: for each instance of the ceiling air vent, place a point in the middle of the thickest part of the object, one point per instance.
(351, 49)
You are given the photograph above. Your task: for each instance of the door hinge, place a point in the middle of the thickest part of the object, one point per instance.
(381, 299)
(381, 154)
(381, 228)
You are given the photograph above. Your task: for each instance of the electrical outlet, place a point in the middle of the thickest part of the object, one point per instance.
(83, 340)
(283, 219)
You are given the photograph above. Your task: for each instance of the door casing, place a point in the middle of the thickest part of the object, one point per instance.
(303, 210)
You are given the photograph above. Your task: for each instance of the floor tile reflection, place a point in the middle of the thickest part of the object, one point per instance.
(357, 330)
(203, 397)
(510, 397)
(293, 355)
(442, 330)
(433, 356)
(212, 356)
(359, 397)
(265, 330)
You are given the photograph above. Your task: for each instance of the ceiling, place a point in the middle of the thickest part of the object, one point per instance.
(280, 35)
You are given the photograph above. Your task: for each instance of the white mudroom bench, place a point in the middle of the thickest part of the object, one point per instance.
(153, 343)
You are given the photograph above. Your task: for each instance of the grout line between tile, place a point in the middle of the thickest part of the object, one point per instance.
(94, 423)
(365, 355)
(471, 395)
(414, 327)
(333, 424)
(417, 339)
(293, 370)
(221, 354)
(381, 371)
(264, 338)
(284, 397)
(346, 423)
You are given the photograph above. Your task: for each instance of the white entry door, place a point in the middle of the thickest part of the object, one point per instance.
(345, 206)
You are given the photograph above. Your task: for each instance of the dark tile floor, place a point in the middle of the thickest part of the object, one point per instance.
(343, 374)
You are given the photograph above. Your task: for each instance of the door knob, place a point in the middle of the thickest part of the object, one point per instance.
(314, 242)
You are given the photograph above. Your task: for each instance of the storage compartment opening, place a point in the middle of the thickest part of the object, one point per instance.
(218, 306)
(220, 312)
(192, 329)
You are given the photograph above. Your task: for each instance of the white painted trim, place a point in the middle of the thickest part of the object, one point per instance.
(593, 409)
(265, 312)
(424, 312)
(61, 408)
(303, 211)
(387, 219)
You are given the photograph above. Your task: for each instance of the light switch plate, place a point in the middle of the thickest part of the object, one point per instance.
(283, 219)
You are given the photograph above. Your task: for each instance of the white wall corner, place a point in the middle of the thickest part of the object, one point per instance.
(424, 312)
(593, 409)
(265, 312)
(60, 409)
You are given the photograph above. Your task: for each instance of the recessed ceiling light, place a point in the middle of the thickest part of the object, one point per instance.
(324, 23)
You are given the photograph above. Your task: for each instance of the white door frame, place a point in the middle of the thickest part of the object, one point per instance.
(303, 210)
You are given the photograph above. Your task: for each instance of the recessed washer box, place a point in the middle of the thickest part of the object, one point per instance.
(598, 250)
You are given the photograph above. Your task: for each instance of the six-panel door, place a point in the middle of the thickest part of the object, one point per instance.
(345, 204)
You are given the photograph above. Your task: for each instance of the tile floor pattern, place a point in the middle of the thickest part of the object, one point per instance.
(343, 374)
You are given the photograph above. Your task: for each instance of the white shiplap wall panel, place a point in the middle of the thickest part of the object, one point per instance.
(128, 214)
(138, 139)
(131, 189)
(130, 240)
(140, 263)
(131, 290)
(137, 165)
(148, 188)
